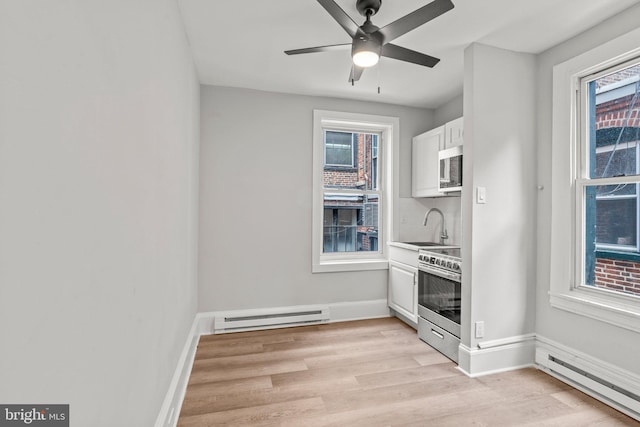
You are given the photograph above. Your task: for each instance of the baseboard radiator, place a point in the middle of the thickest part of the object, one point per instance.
(617, 395)
(250, 320)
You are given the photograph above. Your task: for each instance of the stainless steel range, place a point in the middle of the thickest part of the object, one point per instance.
(439, 286)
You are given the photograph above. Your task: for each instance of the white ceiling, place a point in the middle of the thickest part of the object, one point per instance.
(240, 43)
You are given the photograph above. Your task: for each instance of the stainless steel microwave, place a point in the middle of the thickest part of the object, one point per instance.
(450, 169)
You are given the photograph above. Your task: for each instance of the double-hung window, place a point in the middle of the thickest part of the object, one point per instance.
(609, 178)
(595, 236)
(351, 190)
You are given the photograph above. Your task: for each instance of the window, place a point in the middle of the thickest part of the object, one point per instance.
(615, 214)
(351, 188)
(595, 224)
(351, 218)
(338, 149)
(608, 180)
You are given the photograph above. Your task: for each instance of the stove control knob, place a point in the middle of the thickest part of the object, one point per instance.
(448, 264)
(456, 266)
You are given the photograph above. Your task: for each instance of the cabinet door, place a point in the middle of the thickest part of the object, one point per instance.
(424, 163)
(454, 133)
(403, 289)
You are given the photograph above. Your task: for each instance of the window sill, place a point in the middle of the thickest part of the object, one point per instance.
(618, 255)
(331, 266)
(339, 168)
(612, 308)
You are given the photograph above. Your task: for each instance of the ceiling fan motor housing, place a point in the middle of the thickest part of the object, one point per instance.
(371, 44)
(368, 7)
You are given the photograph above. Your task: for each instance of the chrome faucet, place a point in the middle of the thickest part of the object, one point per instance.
(443, 233)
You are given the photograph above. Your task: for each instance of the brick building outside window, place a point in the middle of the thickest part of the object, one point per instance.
(612, 217)
(351, 191)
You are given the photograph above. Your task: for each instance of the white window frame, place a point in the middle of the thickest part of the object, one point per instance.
(566, 260)
(388, 129)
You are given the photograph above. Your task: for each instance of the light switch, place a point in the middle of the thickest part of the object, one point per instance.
(481, 195)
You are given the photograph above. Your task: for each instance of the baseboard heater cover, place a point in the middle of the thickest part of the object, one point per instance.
(270, 318)
(595, 378)
(624, 400)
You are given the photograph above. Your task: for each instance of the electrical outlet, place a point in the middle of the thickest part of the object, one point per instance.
(480, 329)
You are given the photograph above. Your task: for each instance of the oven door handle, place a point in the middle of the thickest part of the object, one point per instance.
(440, 273)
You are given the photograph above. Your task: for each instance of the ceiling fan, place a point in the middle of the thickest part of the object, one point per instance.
(370, 42)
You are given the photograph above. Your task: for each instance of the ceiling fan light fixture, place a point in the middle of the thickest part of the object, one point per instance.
(366, 53)
(365, 59)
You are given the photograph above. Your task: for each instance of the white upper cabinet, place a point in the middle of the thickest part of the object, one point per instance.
(424, 160)
(454, 133)
(424, 163)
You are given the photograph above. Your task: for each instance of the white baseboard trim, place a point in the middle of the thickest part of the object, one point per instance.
(496, 356)
(608, 383)
(170, 409)
(339, 312)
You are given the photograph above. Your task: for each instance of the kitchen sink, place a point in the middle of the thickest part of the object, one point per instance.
(423, 243)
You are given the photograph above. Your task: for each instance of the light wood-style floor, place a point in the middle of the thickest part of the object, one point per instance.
(367, 373)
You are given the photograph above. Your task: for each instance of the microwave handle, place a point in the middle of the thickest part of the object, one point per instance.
(450, 152)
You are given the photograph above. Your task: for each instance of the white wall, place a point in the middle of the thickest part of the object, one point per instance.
(608, 343)
(498, 238)
(412, 212)
(98, 196)
(255, 211)
(449, 111)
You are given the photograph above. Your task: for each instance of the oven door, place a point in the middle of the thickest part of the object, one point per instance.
(439, 298)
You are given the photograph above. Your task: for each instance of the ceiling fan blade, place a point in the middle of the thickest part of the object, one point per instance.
(341, 17)
(356, 72)
(403, 54)
(415, 19)
(328, 48)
